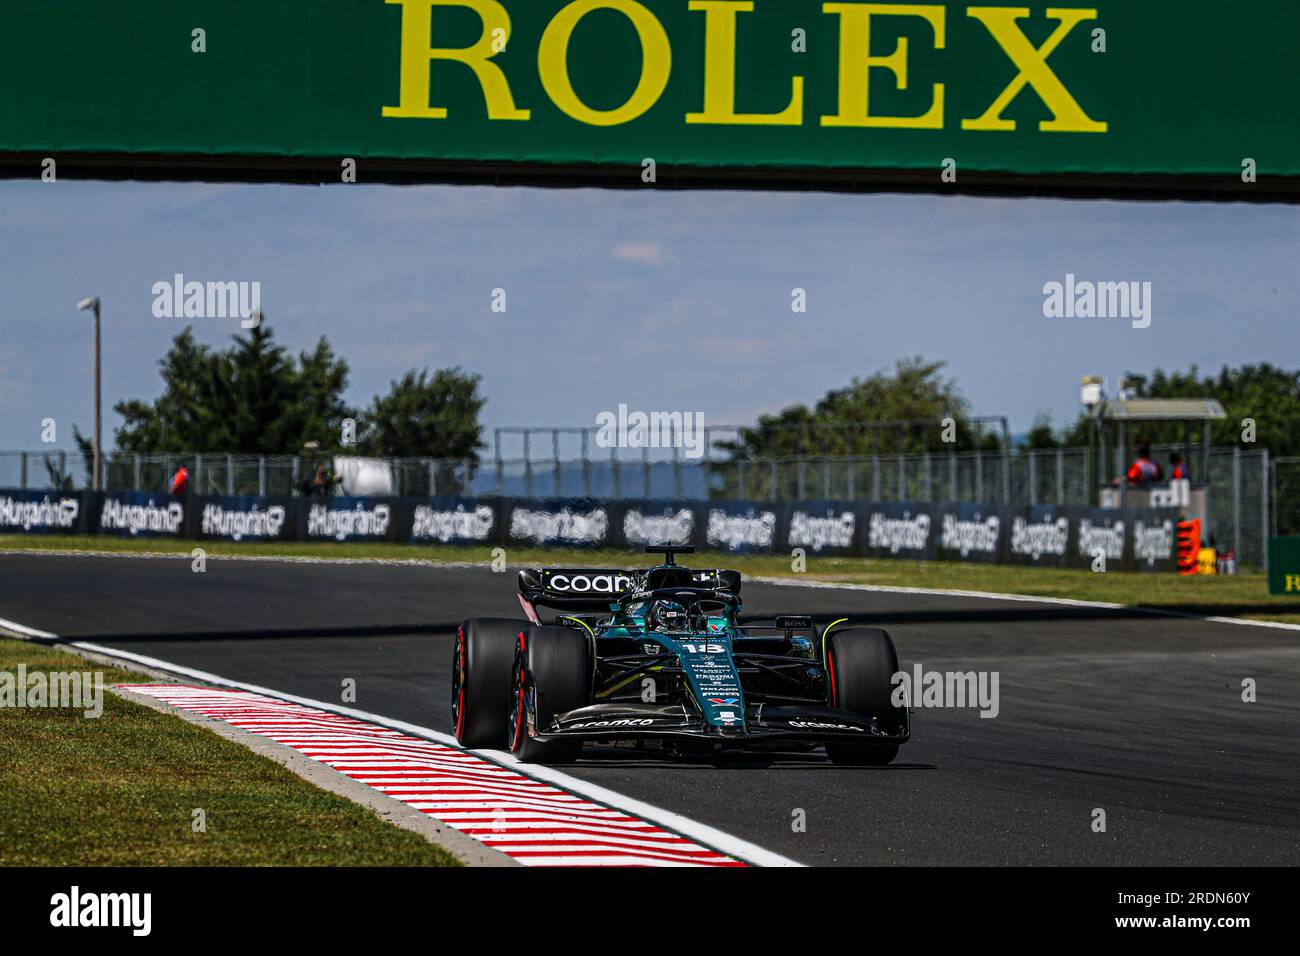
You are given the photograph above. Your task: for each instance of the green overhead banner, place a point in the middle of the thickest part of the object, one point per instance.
(1155, 92)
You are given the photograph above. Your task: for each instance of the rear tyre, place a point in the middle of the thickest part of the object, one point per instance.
(482, 660)
(552, 675)
(861, 663)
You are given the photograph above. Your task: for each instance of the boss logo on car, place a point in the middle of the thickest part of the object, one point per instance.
(819, 725)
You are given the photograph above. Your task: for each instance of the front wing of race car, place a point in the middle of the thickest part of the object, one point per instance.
(760, 724)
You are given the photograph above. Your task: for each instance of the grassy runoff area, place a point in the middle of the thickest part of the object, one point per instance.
(1241, 595)
(120, 790)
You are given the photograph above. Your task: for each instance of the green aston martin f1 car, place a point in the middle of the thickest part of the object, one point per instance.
(660, 656)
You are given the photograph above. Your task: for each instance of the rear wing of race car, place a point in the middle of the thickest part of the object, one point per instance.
(593, 589)
(575, 589)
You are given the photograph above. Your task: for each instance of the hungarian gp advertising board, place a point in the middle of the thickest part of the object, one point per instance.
(42, 512)
(346, 518)
(823, 527)
(573, 522)
(972, 532)
(244, 518)
(1040, 536)
(659, 522)
(900, 530)
(1097, 538)
(1038, 90)
(741, 526)
(140, 514)
(451, 520)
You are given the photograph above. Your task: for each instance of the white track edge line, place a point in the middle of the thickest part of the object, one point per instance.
(285, 558)
(711, 837)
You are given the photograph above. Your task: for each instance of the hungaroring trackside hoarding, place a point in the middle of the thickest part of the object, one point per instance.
(1040, 536)
(1152, 94)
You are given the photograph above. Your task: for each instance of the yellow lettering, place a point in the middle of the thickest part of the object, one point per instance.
(1067, 115)
(856, 62)
(720, 71)
(1293, 582)
(418, 51)
(553, 62)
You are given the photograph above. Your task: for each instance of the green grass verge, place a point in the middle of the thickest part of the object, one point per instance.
(120, 790)
(1240, 595)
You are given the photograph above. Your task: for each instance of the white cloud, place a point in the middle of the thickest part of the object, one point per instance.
(644, 252)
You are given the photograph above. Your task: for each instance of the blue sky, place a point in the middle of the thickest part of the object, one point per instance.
(663, 300)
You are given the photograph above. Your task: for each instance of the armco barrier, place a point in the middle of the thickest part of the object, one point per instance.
(1039, 536)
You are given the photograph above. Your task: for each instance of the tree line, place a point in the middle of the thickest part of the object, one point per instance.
(254, 397)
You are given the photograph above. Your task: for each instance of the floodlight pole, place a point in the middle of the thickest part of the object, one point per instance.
(99, 392)
(96, 477)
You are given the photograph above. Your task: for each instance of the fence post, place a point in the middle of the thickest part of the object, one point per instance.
(528, 464)
(230, 474)
(929, 478)
(295, 473)
(261, 476)
(1236, 500)
(953, 492)
(1033, 476)
(1060, 476)
(135, 472)
(1264, 506)
(774, 496)
(555, 459)
(167, 472)
(1006, 475)
(1273, 496)
(586, 467)
(22, 470)
(1088, 487)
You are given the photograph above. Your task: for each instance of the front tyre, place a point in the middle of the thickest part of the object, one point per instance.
(860, 666)
(552, 676)
(482, 661)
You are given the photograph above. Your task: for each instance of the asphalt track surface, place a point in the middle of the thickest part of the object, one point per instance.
(1136, 714)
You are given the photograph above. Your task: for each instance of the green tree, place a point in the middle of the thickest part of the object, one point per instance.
(1041, 435)
(251, 398)
(1263, 392)
(426, 417)
(914, 391)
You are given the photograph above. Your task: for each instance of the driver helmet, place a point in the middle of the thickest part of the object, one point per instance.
(667, 616)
